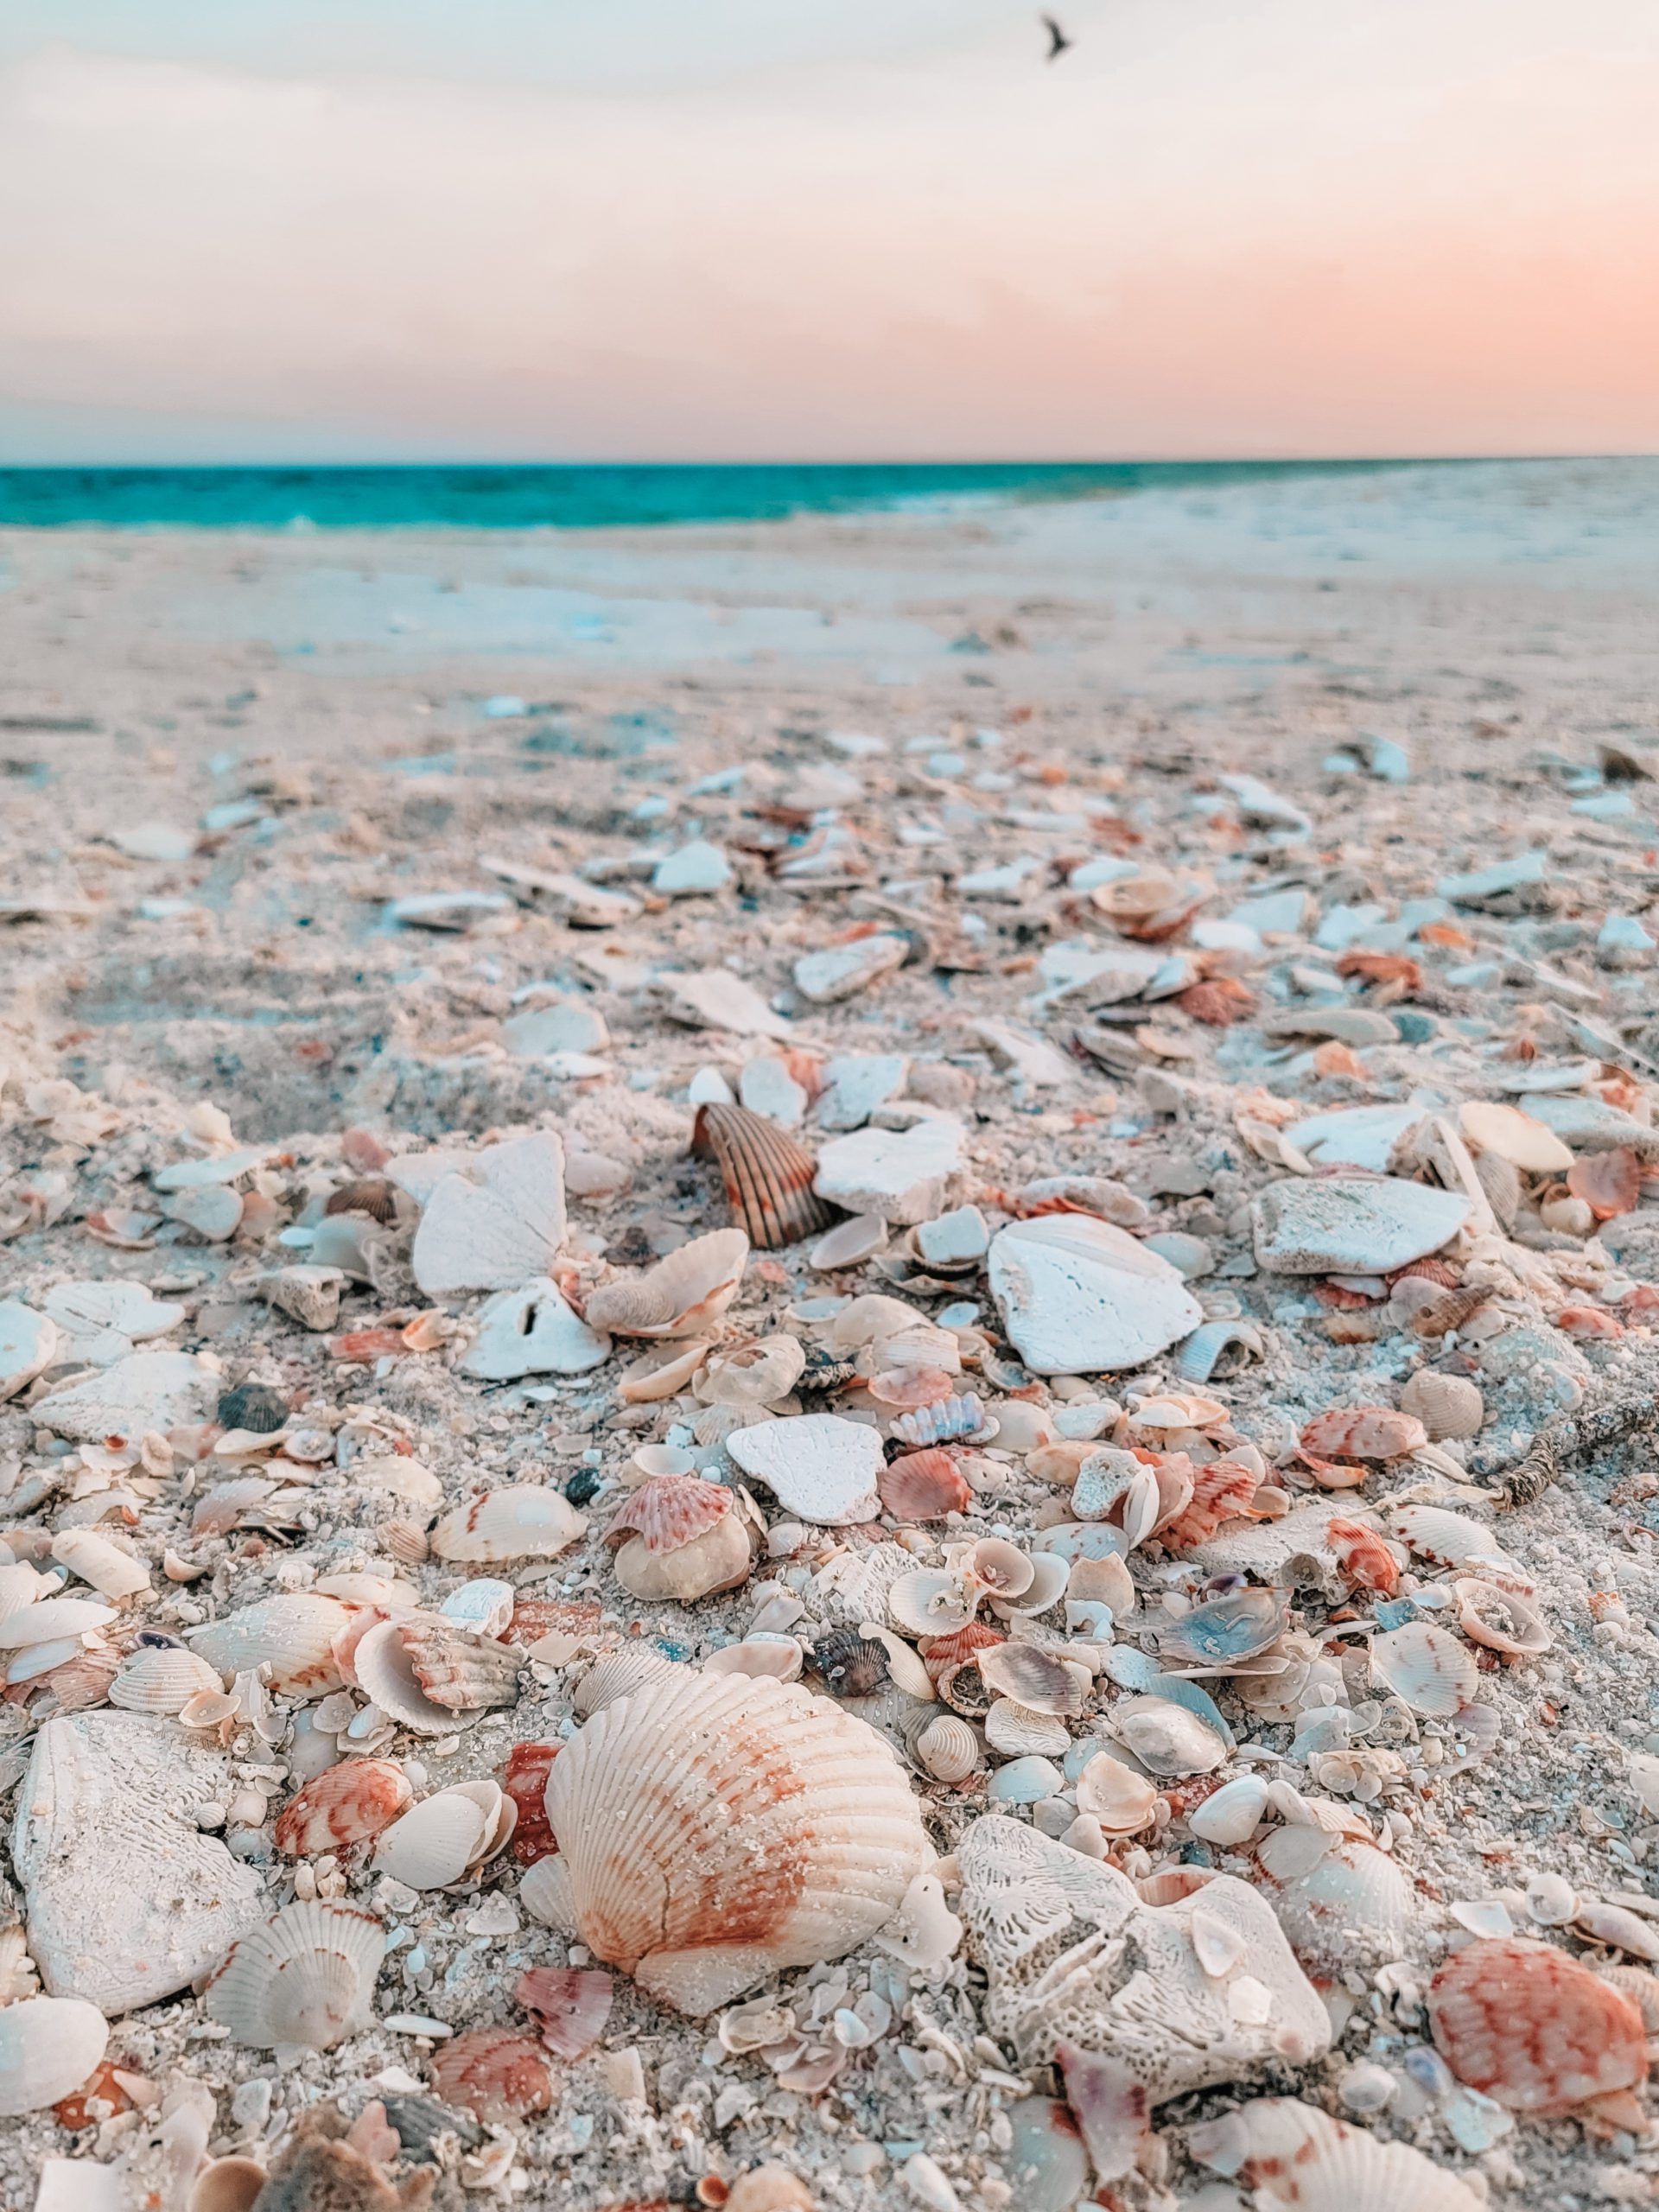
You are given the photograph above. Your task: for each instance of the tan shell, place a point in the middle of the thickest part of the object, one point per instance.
(1122, 1801)
(759, 1374)
(161, 1679)
(680, 1296)
(524, 1521)
(717, 1828)
(305, 1979)
(718, 1560)
(944, 1745)
(1166, 1739)
(1448, 1406)
(110, 1568)
(292, 1635)
(767, 1174)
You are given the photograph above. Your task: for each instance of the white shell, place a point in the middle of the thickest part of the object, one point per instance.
(127, 1899)
(1016, 1729)
(48, 2048)
(292, 1635)
(1296, 2155)
(1120, 1799)
(1426, 1667)
(753, 1375)
(681, 1295)
(1447, 1405)
(160, 1679)
(148, 1389)
(493, 1219)
(303, 1979)
(386, 1666)
(929, 1601)
(1513, 1135)
(1454, 1540)
(1165, 1738)
(522, 1522)
(112, 1571)
(716, 1829)
(100, 1321)
(818, 1466)
(50, 1619)
(29, 1345)
(1079, 1296)
(1353, 1908)
(1232, 1813)
(447, 1836)
(533, 1331)
(944, 1745)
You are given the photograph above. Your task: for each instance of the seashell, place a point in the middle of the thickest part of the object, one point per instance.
(682, 1295)
(569, 2005)
(1122, 1800)
(1452, 1540)
(253, 1406)
(422, 1671)
(1352, 1907)
(859, 1238)
(994, 1565)
(1234, 1626)
(1293, 2154)
(1041, 1680)
(161, 1679)
(1051, 1576)
(1526, 2024)
(1474, 1731)
(818, 1466)
(447, 1837)
(1017, 1731)
(1641, 1987)
(237, 1504)
(923, 1486)
(718, 1559)
(112, 1571)
(304, 1979)
(524, 1520)
(396, 1474)
(716, 1829)
(770, 2188)
(1616, 1925)
(1231, 1815)
(127, 1899)
(1221, 1491)
(759, 1374)
(1166, 1738)
(1448, 1406)
(308, 1294)
(850, 1664)
(489, 1220)
(1080, 1297)
(1513, 1135)
(665, 1511)
(1175, 1409)
(943, 1745)
(619, 1673)
(1197, 1359)
(232, 2184)
(52, 1620)
(1358, 1432)
(292, 1635)
(48, 2046)
(533, 1329)
(346, 1804)
(1499, 1620)
(1426, 1667)
(947, 1422)
(525, 1783)
(929, 1601)
(767, 1174)
(496, 2074)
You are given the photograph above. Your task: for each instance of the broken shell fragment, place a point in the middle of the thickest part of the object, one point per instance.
(1122, 1801)
(304, 1979)
(569, 2005)
(681, 1295)
(768, 1175)
(817, 1466)
(1166, 1739)
(1500, 1619)
(1080, 1297)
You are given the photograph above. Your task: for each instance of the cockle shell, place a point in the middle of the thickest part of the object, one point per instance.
(1352, 1907)
(680, 1296)
(717, 1828)
(346, 1804)
(943, 1745)
(48, 2046)
(292, 1635)
(1426, 1667)
(923, 1486)
(619, 1673)
(569, 2004)
(1526, 2024)
(767, 1174)
(1168, 1998)
(1221, 1490)
(423, 1671)
(305, 1979)
(1448, 1406)
(1041, 1680)
(160, 1678)
(127, 1899)
(447, 1836)
(524, 1521)
(1452, 1540)
(496, 2074)
(1293, 2154)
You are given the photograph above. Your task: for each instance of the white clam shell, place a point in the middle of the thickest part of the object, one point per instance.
(716, 1829)
(48, 2048)
(943, 1745)
(818, 1466)
(447, 1836)
(292, 1635)
(1296, 2155)
(681, 1295)
(1165, 1738)
(112, 1570)
(303, 1979)
(928, 1601)
(160, 1679)
(524, 1521)
(1232, 1813)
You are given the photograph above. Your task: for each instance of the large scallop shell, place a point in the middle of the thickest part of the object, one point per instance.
(49, 2046)
(447, 1836)
(496, 2073)
(293, 1634)
(346, 1804)
(1528, 2025)
(767, 1174)
(681, 1295)
(305, 1979)
(717, 1828)
(1293, 2154)
(161, 1678)
(522, 1522)
(423, 1670)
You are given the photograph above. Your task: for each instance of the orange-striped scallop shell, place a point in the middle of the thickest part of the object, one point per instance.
(1221, 1491)
(346, 1804)
(496, 2073)
(923, 1486)
(666, 1511)
(768, 1175)
(1527, 2024)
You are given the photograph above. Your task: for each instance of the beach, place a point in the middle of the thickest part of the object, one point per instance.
(283, 815)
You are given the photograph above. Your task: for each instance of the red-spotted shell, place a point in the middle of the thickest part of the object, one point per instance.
(569, 2004)
(668, 1511)
(1529, 2026)
(346, 1804)
(525, 1783)
(923, 1486)
(1364, 1433)
(768, 1175)
(1363, 1555)
(1221, 1491)
(495, 2073)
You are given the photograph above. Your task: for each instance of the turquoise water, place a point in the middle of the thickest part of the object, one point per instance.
(576, 498)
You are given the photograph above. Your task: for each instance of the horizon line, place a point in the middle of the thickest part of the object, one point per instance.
(1135, 461)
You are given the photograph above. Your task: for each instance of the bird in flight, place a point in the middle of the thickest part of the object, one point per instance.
(1058, 41)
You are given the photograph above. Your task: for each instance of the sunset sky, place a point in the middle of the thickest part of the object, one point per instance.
(826, 229)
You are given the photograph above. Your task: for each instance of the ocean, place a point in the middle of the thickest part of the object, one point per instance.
(585, 497)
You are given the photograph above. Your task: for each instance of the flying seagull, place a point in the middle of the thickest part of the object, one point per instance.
(1058, 41)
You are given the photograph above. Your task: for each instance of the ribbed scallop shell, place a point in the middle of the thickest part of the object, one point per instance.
(1294, 2154)
(923, 1486)
(1447, 1405)
(719, 1827)
(768, 1175)
(292, 1635)
(49, 2046)
(496, 2073)
(944, 1745)
(681, 1295)
(569, 2004)
(668, 1510)
(1426, 1667)
(1454, 1540)
(1352, 1908)
(1526, 2024)
(522, 1522)
(305, 1979)
(161, 1678)
(619, 1673)
(346, 1804)
(423, 1670)
(1041, 1680)
(946, 1422)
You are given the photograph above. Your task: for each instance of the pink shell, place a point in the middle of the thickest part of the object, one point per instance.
(1221, 1491)
(569, 2004)
(1527, 2024)
(1364, 1433)
(345, 1804)
(496, 2073)
(923, 1486)
(668, 1511)
(1364, 1556)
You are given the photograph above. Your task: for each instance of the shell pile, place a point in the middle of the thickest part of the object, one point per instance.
(863, 1464)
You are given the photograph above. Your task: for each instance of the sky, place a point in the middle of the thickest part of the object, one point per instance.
(339, 230)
